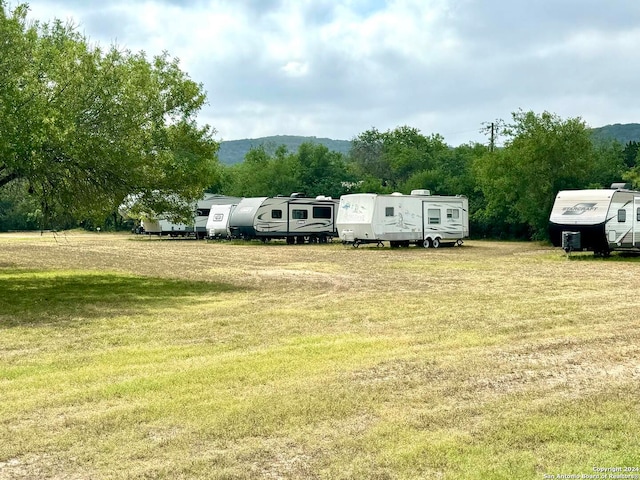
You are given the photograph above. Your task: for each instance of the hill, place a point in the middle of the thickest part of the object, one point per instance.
(233, 151)
(623, 133)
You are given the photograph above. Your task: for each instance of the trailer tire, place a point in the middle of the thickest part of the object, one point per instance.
(436, 242)
(426, 243)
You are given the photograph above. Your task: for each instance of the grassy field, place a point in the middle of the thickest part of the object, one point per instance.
(129, 357)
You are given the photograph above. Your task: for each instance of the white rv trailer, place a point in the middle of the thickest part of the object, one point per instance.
(154, 226)
(218, 221)
(296, 219)
(203, 210)
(198, 228)
(420, 219)
(596, 220)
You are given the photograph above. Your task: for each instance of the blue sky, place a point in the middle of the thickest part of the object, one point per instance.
(335, 68)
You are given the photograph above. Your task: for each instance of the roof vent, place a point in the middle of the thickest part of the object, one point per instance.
(618, 186)
(421, 192)
(297, 195)
(396, 194)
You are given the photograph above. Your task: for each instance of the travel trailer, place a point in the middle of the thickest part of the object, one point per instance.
(420, 218)
(198, 228)
(203, 209)
(154, 226)
(218, 221)
(596, 220)
(296, 219)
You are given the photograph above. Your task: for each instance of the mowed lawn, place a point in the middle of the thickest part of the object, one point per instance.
(132, 357)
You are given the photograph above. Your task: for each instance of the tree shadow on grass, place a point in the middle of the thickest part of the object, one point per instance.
(32, 298)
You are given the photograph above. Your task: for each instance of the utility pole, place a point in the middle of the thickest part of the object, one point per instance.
(493, 130)
(492, 141)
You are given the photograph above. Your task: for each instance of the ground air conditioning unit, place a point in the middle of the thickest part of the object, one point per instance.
(571, 241)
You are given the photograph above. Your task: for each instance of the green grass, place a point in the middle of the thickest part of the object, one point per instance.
(166, 359)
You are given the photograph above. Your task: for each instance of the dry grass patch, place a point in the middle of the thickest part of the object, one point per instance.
(127, 357)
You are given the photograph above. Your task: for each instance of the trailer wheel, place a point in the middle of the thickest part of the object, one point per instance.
(436, 242)
(459, 242)
(426, 243)
(356, 244)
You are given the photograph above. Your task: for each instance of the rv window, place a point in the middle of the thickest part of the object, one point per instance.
(388, 212)
(434, 215)
(322, 212)
(638, 214)
(217, 217)
(622, 215)
(276, 213)
(453, 214)
(299, 214)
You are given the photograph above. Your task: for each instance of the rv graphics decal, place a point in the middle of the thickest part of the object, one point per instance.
(354, 212)
(579, 209)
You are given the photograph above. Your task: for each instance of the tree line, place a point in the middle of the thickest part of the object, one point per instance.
(511, 188)
(84, 129)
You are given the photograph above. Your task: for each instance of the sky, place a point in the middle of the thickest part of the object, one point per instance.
(337, 68)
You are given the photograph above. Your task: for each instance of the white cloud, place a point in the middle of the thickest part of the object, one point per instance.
(296, 69)
(334, 68)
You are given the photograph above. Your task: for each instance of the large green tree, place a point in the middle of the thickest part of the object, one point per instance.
(398, 156)
(262, 173)
(321, 171)
(313, 170)
(84, 127)
(633, 176)
(542, 155)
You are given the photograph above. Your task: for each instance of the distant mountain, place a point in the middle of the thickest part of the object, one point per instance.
(623, 133)
(233, 151)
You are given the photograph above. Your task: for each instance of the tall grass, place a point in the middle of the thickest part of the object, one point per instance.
(127, 357)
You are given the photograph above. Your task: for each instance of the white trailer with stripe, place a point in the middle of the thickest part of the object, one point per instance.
(296, 219)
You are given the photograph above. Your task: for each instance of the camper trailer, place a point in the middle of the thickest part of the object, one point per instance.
(153, 226)
(297, 219)
(203, 210)
(596, 220)
(198, 228)
(420, 218)
(218, 221)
